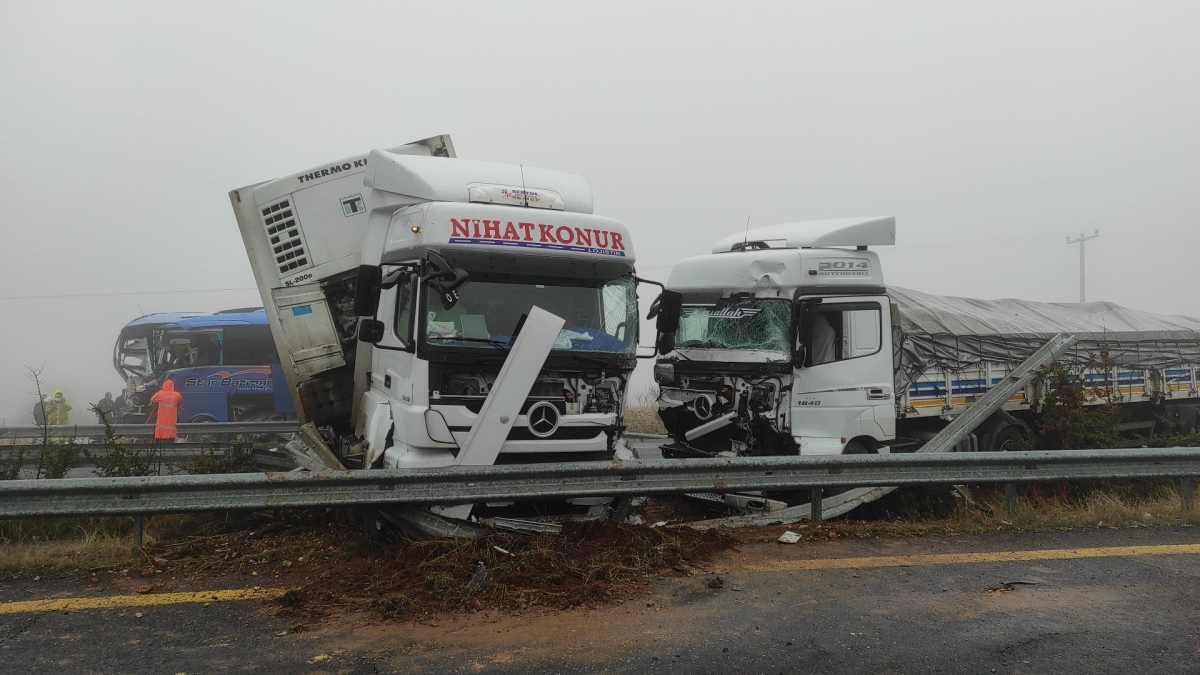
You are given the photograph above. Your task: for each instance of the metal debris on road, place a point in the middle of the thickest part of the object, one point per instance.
(789, 537)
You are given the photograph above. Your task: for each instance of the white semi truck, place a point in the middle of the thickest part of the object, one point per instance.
(785, 340)
(433, 311)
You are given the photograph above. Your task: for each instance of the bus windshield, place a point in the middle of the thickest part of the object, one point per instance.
(601, 316)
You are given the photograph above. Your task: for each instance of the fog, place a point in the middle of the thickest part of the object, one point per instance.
(991, 131)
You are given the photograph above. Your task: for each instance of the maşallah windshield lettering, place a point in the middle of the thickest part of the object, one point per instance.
(736, 324)
(601, 316)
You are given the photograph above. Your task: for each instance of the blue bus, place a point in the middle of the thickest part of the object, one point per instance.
(225, 365)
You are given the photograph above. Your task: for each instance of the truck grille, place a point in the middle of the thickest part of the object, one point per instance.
(283, 233)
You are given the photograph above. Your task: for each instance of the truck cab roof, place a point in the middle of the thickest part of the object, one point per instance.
(774, 273)
(859, 231)
(788, 259)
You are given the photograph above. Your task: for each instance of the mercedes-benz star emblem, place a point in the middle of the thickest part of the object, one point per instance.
(702, 406)
(543, 419)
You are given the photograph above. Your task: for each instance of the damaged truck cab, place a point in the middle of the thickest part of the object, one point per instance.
(435, 311)
(783, 344)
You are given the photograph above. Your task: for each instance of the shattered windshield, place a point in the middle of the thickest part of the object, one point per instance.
(736, 323)
(601, 316)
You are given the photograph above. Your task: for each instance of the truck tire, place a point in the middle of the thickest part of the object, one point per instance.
(1009, 438)
(857, 448)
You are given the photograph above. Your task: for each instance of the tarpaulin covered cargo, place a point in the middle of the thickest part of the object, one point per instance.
(956, 333)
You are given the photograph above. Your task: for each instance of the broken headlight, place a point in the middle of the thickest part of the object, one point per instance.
(664, 373)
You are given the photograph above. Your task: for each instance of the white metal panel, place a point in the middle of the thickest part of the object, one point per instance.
(308, 330)
(511, 388)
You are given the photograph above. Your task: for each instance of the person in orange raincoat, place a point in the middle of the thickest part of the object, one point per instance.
(167, 400)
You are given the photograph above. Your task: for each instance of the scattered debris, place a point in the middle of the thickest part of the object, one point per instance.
(523, 525)
(479, 577)
(789, 537)
(1022, 583)
(716, 582)
(501, 550)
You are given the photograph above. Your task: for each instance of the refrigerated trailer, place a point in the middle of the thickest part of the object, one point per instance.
(788, 341)
(434, 311)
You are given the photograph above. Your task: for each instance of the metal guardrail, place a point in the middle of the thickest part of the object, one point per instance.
(136, 430)
(451, 485)
(174, 454)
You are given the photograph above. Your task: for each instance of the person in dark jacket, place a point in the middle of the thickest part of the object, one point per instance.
(39, 411)
(106, 406)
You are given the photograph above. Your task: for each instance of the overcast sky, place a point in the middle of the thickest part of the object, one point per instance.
(990, 130)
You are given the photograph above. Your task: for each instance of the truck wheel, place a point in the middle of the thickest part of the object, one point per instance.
(1010, 438)
(857, 448)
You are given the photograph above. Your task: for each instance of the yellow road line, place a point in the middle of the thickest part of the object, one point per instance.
(966, 558)
(147, 600)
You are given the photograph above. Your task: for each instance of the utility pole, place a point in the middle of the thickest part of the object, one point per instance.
(1081, 240)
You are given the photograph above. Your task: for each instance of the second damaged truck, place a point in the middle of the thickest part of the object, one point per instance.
(785, 340)
(434, 311)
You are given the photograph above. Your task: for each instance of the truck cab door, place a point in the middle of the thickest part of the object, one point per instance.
(391, 400)
(843, 374)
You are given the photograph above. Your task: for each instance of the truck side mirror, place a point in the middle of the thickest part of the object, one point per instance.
(444, 279)
(665, 343)
(366, 290)
(370, 331)
(666, 309)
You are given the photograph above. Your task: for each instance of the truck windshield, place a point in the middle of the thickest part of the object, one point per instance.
(601, 315)
(736, 323)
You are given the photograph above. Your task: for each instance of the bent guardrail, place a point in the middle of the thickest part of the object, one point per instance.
(459, 485)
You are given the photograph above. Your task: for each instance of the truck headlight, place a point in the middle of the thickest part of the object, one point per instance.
(664, 373)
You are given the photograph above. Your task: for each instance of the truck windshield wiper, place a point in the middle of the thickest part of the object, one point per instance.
(581, 359)
(495, 343)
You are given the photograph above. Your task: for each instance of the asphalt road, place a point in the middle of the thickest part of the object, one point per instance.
(782, 609)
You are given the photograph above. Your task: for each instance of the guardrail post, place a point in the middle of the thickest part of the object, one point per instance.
(815, 504)
(1010, 498)
(1187, 493)
(137, 533)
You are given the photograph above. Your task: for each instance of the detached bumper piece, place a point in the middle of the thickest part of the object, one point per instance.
(681, 450)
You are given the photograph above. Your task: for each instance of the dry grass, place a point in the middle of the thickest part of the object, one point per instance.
(1067, 505)
(1039, 507)
(76, 545)
(643, 420)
